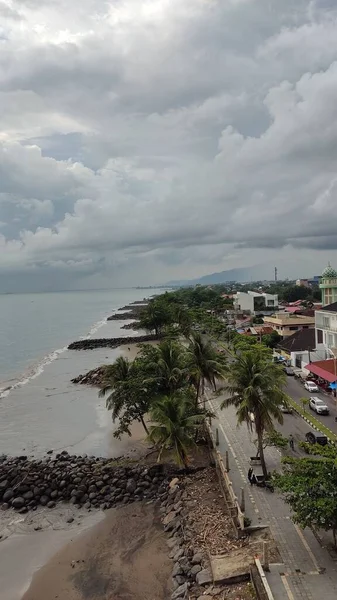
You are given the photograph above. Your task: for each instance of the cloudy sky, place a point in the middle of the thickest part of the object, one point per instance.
(149, 140)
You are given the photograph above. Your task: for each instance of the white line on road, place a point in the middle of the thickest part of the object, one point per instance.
(287, 587)
(307, 547)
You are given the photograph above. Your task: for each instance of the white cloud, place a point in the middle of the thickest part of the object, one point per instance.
(166, 137)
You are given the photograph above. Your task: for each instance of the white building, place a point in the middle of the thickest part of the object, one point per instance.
(255, 302)
(326, 327)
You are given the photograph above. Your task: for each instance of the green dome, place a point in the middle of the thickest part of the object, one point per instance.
(329, 272)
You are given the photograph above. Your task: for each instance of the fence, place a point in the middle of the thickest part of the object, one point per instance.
(235, 507)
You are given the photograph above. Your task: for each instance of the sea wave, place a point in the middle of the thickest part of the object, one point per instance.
(38, 368)
(34, 372)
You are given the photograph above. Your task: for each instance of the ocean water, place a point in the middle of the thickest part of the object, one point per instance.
(35, 328)
(40, 409)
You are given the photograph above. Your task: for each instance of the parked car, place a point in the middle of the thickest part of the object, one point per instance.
(315, 437)
(318, 406)
(286, 408)
(311, 386)
(289, 371)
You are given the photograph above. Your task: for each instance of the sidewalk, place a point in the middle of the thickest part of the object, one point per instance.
(307, 570)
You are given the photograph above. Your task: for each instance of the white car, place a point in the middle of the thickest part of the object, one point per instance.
(311, 386)
(318, 406)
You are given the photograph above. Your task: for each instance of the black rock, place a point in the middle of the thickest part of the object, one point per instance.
(18, 502)
(8, 495)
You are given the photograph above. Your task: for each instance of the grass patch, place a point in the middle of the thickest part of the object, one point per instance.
(325, 430)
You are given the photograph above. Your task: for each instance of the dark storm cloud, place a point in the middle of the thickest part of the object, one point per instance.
(165, 133)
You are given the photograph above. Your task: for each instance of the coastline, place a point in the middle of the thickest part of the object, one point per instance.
(37, 536)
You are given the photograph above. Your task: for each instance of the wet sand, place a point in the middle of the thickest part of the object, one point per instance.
(124, 557)
(52, 413)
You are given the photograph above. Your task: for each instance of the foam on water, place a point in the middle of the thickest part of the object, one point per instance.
(38, 368)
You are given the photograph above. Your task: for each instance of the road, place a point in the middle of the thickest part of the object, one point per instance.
(296, 390)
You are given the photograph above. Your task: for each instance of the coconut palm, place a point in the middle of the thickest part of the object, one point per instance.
(167, 365)
(128, 396)
(176, 422)
(204, 364)
(254, 385)
(115, 374)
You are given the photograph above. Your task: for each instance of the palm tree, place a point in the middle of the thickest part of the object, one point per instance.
(204, 364)
(127, 394)
(167, 366)
(254, 385)
(176, 421)
(115, 374)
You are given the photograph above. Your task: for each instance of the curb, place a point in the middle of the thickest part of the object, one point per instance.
(311, 424)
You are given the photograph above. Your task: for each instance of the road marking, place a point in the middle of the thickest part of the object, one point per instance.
(287, 587)
(236, 459)
(307, 547)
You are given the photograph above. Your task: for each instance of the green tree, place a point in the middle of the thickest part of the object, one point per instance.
(156, 316)
(175, 423)
(272, 439)
(309, 486)
(254, 385)
(128, 397)
(165, 366)
(305, 402)
(271, 339)
(204, 364)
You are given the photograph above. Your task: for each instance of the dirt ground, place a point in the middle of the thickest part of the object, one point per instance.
(209, 528)
(125, 557)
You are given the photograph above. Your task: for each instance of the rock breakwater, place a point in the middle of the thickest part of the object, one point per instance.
(93, 377)
(123, 316)
(83, 481)
(91, 344)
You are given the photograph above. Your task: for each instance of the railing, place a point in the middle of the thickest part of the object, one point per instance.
(237, 510)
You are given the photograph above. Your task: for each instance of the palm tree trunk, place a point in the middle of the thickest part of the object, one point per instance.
(261, 453)
(197, 394)
(144, 424)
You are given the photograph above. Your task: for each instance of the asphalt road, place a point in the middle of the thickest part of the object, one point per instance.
(296, 390)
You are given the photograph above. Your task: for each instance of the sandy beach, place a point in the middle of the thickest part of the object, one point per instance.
(124, 557)
(68, 553)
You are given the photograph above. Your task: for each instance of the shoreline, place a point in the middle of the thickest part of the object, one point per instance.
(36, 536)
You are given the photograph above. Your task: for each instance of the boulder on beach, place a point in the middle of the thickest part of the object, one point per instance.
(91, 344)
(90, 482)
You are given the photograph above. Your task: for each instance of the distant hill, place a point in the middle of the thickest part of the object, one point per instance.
(243, 274)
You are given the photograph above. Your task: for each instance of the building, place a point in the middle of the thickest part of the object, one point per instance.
(328, 286)
(286, 324)
(326, 327)
(255, 302)
(308, 282)
(299, 348)
(303, 282)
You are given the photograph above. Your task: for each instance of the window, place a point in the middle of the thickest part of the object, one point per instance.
(319, 336)
(270, 302)
(326, 322)
(298, 360)
(305, 327)
(293, 327)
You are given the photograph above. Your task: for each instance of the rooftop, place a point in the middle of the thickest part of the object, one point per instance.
(330, 307)
(329, 272)
(298, 342)
(289, 319)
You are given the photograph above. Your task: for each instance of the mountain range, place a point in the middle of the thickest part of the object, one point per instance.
(243, 274)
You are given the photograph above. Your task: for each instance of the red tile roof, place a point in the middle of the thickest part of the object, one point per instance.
(326, 369)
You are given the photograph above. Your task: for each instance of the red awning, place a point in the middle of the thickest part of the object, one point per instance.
(320, 372)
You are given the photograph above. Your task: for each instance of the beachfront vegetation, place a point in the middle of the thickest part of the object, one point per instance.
(204, 364)
(255, 388)
(176, 420)
(160, 378)
(309, 486)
